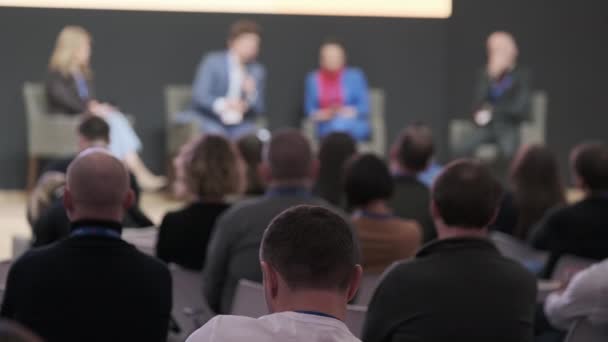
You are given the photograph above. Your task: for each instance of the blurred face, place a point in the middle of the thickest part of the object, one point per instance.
(502, 51)
(332, 57)
(246, 46)
(83, 54)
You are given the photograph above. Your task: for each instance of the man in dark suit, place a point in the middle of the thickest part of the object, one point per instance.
(410, 155)
(228, 91)
(92, 286)
(458, 288)
(581, 228)
(289, 168)
(502, 99)
(51, 223)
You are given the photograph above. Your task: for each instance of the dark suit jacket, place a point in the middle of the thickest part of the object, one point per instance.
(212, 81)
(580, 229)
(411, 200)
(459, 289)
(513, 106)
(183, 235)
(90, 288)
(62, 94)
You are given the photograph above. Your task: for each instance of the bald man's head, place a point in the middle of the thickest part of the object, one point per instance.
(502, 43)
(97, 187)
(289, 157)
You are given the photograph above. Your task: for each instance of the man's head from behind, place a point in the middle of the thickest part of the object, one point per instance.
(97, 187)
(589, 163)
(288, 160)
(93, 131)
(309, 253)
(464, 199)
(413, 150)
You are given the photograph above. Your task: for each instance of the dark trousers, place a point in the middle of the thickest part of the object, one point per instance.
(505, 135)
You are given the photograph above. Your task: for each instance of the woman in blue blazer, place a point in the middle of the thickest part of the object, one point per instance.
(337, 96)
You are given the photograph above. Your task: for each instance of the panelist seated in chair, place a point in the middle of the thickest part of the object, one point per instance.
(228, 91)
(502, 99)
(337, 96)
(70, 90)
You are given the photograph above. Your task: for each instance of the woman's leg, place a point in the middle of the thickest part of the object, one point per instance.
(125, 145)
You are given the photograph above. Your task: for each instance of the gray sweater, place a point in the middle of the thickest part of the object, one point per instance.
(233, 252)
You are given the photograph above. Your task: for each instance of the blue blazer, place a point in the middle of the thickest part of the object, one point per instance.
(356, 94)
(211, 82)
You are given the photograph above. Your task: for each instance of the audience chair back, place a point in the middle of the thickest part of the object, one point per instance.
(568, 265)
(377, 121)
(190, 311)
(249, 300)
(369, 282)
(583, 331)
(355, 318)
(517, 250)
(144, 239)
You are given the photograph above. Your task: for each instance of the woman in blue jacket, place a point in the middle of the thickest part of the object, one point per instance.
(337, 96)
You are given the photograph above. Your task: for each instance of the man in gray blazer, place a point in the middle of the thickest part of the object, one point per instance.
(228, 91)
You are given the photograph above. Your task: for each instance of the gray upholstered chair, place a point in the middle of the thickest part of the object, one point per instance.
(533, 131)
(584, 331)
(49, 136)
(178, 98)
(377, 143)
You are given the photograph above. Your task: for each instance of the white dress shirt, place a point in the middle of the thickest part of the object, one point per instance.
(284, 326)
(236, 78)
(585, 297)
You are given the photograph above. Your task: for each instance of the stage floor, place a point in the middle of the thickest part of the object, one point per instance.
(13, 221)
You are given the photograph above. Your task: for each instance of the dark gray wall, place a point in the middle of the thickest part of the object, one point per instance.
(564, 43)
(425, 66)
(136, 54)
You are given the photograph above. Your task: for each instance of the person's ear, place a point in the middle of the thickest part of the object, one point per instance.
(265, 172)
(68, 202)
(434, 210)
(355, 282)
(129, 200)
(271, 284)
(315, 165)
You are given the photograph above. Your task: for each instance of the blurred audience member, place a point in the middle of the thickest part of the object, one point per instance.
(585, 297)
(228, 89)
(502, 98)
(14, 332)
(410, 155)
(307, 282)
(289, 169)
(458, 288)
(384, 237)
(337, 97)
(92, 286)
(52, 222)
(70, 90)
(250, 147)
(535, 187)
(336, 148)
(580, 228)
(214, 171)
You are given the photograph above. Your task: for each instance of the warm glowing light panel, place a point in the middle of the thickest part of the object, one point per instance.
(367, 8)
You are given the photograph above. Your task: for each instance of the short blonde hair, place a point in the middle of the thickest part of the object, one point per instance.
(215, 168)
(69, 41)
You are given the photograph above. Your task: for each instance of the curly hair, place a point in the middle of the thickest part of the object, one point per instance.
(214, 169)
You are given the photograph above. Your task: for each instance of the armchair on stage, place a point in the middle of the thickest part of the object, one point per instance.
(533, 130)
(178, 98)
(377, 142)
(49, 136)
